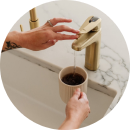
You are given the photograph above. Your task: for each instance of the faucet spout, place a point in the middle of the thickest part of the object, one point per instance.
(90, 38)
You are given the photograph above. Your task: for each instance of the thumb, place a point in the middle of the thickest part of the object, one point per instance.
(49, 44)
(77, 93)
(82, 95)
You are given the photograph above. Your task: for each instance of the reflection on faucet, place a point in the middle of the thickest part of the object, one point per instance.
(90, 38)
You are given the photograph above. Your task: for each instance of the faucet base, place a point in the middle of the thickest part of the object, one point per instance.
(91, 69)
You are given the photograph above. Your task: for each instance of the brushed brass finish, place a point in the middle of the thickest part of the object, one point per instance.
(33, 16)
(92, 54)
(21, 28)
(34, 21)
(34, 24)
(90, 38)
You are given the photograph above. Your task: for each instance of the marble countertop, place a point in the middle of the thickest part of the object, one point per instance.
(113, 71)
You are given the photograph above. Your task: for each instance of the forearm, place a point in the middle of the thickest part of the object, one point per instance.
(70, 124)
(12, 41)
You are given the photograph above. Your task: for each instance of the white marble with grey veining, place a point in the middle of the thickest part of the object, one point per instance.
(114, 60)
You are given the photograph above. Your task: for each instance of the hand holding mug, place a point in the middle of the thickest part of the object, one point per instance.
(78, 106)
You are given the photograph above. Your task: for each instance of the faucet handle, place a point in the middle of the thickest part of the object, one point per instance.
(21, 27)
(91, 24)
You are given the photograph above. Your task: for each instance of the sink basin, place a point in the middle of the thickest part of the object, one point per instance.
(34, 90)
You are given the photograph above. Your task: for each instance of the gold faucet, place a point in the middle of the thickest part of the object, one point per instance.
(34, 21)
(90, 38)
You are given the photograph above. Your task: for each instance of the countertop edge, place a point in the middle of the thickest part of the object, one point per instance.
(52, 67)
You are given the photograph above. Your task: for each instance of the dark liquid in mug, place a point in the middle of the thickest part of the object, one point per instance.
(73, 79)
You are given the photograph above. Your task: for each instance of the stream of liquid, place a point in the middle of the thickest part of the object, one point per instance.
(74, 62)
(73, 78)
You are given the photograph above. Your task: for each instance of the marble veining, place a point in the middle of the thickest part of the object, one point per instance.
(113, 71)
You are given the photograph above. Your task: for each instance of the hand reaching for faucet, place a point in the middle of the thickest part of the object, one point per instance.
(40, 38)
(77, 110)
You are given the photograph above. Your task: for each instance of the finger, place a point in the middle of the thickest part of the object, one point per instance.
(49, 44)
(54, 21)
(83, 95)
(61, 28)
(59, 36)
(77, 93)
(56, 40)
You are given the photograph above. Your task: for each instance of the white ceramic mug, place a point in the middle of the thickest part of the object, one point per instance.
(66, 91)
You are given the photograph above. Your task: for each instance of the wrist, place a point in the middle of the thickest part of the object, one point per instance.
(75, 117)
(74, 121)
(18, 38)
(12, 41)
(21, 38)
(24, 39)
